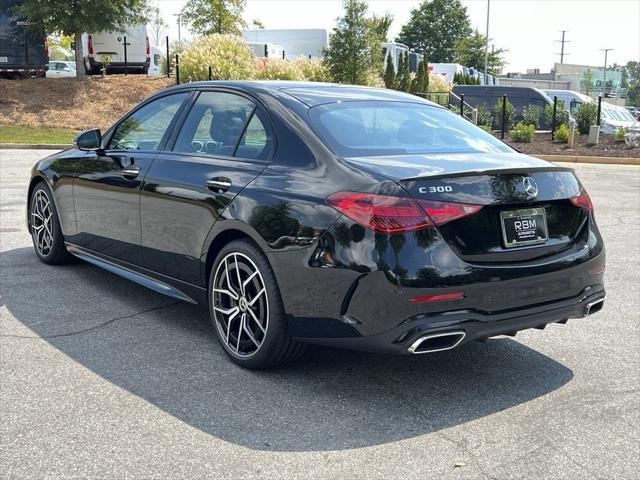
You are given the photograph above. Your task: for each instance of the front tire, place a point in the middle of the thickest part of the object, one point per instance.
(44, 225)
(246, 308)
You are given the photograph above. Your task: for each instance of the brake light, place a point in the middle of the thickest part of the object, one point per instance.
(582, 200)
(148, 47)
(90, 45)
(390, 214)
(443, 212)
(437, 298)
(46, 47)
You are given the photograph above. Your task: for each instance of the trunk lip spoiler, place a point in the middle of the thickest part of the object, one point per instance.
(490, 171)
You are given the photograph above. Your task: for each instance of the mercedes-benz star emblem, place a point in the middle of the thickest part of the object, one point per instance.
(530, 186)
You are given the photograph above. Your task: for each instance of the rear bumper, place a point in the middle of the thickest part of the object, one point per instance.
(469, 325)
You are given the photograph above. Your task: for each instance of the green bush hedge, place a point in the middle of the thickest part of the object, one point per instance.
(562, 133)
(523, 133)
(229, 57)
(586, 116)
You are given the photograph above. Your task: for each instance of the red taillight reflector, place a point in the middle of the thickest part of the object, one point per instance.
(390, 214)
(582, 200)
(437, 298)
(597, 270)
(90, 45)
(443, 212)
(148, 47)
(382, 213)
(46, 47)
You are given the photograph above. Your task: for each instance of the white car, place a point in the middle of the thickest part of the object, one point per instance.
(60, 69)
(614, 117)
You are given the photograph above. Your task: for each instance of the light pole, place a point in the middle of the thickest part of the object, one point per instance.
(604, 75)
(179, 15)
(486, 46)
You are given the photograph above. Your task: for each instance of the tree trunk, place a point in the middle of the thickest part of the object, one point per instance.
(80, 71)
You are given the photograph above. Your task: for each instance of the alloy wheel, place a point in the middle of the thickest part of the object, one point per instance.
(240, 304)
(41, 222)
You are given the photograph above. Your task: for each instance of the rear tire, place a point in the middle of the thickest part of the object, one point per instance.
(246, 308)
(44, 225)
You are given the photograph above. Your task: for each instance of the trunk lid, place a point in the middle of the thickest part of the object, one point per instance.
(504, 184)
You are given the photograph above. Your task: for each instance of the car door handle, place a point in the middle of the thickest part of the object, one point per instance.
(131, 171)
(219, 184)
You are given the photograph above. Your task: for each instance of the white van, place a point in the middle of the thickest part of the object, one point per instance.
(266, 50)
(100, 45)
(572, 100)
(394, 50)
(446, 70)
(155, 61)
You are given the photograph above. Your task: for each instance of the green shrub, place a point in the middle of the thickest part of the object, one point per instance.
(228, 56)
(531, 115)
(277, 69)
(586, 116)
(523, 133)
(313, 70)
(620, 133)
(497, 114)
(562, 133)
(486, 127)
(484, 116)
(562, 115)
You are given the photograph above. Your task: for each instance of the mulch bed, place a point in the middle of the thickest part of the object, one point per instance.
(542, 145)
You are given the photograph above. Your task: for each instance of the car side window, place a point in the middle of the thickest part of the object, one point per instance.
(216, 124)
(144, 128)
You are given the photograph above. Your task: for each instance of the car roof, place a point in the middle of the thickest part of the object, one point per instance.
(313, 93)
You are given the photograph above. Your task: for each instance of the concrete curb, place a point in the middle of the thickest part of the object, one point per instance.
(38, 146)
(590, 159)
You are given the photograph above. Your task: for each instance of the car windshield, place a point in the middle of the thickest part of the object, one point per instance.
(375, 128)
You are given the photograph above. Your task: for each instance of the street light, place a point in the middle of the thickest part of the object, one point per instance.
(486, 46)
(604, 76)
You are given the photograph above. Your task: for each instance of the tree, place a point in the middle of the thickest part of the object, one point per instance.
(470, 53)
(435, 27)
(215, 16)
(587, 83)
(418, 83)
(73, 18)
(404, 82)
(157, 24)
(389, 73)
(60, 47)
(355, 45)
(255, 23)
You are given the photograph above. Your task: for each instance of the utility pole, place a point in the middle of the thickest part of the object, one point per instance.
(562, 42)
(486, 46)
(604, 76)
(179, 15)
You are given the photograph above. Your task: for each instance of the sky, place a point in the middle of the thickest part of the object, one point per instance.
(528, 29)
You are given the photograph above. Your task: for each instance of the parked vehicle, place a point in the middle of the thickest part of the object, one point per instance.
(572, 99)
(614, 117)
(155, 62)
(446, 70)
(107, 48)
(295, 42)
(414, 61)
(266, 50)
(302, 212)
(487, 96)
(61, 69)
(22, 52)
(394, 50)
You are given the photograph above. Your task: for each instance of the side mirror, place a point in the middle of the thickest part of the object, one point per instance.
(89, 140)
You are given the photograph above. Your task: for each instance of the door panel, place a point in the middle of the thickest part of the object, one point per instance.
(187, 191)
(107, 185)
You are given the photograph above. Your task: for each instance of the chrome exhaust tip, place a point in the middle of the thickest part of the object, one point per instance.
(593, 307)
(437, 342)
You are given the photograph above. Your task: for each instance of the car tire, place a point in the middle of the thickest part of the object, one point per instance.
(45, 229)
(246, 308)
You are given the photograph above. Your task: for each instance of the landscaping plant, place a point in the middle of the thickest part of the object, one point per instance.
(586, 116)
(562, 115)
(497, 114)
(620, 133)
(228, 56)
(523, 133)
(561, 134)
(531, 115)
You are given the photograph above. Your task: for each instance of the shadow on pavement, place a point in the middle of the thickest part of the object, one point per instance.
(166, 353)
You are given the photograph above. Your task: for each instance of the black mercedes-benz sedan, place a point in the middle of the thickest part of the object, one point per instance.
(328, 214)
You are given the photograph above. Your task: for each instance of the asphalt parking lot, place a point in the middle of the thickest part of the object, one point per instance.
(102, 378)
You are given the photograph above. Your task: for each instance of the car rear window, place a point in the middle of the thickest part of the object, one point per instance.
(375, 128)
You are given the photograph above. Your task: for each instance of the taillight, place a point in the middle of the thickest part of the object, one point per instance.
(46, 47)
(90, 45)
(440, 297)
(148, 47)
(582, 200)
(390, 214)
